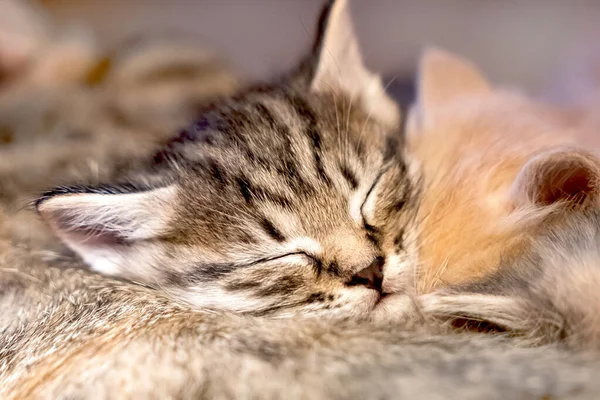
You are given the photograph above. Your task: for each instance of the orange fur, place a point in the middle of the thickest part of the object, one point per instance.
(473, 143)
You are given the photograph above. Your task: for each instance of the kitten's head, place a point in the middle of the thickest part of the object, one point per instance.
(289, 198)
(497, 168)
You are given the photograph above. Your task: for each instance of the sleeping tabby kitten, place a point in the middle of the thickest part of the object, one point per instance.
(294, 197)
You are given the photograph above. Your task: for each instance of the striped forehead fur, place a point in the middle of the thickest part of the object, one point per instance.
(272, 149)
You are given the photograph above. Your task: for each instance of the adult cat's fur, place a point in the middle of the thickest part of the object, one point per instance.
(68, 333)
(550, 289)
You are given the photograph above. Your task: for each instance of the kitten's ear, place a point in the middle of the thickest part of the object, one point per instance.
(339, 66)
(568, 176)
(443, 77)
(101, 225)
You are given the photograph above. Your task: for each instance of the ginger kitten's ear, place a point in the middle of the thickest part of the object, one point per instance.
(444, 77)
(101, 225)
(339, 66)
(568, 176)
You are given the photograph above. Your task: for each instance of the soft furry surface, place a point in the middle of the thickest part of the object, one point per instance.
(68, 333)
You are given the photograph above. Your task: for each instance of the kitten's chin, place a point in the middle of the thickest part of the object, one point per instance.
(394, 307)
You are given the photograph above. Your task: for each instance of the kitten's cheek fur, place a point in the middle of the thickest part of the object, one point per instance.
(358, 301)
(399, 273)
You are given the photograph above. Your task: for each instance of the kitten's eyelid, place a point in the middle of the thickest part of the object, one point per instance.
(302, 246)
(306, 245)
(273, 258)
(368, 196)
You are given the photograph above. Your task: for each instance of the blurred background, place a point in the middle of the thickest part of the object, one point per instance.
(519, 42)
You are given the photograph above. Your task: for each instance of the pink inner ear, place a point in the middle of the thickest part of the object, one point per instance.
(569, 180)
(92, 238)
(72, 229)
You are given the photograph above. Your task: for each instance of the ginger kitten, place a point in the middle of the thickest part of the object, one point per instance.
(498, 167)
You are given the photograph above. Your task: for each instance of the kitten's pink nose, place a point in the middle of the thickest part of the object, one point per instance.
(371, 277)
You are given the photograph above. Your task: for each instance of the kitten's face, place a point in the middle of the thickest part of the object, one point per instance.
(294, 198)
(276, 207)
(496, 168)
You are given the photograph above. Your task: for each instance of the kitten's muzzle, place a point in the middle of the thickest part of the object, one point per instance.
(371, 277)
